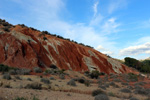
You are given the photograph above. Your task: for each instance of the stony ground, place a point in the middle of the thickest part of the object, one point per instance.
(116, 87)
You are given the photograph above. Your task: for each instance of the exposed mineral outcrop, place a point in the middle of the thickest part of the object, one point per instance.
(25, 47)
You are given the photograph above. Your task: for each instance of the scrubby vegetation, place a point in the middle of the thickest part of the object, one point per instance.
(101, 97)
(71, 83)
(45, 80)
(37, 69)
(143, 66)
(34, 85)
(97, 92)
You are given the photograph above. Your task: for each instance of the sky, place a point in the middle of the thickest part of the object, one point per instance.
(119, 28)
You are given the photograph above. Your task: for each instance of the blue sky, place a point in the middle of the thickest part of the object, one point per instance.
(119, 28)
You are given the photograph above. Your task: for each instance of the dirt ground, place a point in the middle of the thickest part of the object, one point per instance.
(58, 89)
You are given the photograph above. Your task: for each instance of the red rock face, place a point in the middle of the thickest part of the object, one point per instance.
(25, 48)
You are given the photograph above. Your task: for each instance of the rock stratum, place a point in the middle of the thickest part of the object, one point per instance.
(25, 47)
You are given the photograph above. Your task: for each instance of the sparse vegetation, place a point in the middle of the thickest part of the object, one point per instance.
(45, 80)
(94, 74)
(133, 98)
(101, 97)
(7, 76)
(34, 85)
(125, 90)
(62, 76)
(97, 92)
(37, 69)
(133, 77)
(20, 98)
(71, 83)
(142, 66)
(111, 94)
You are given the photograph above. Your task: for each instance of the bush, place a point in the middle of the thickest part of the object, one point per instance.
(101, 97)
(99, 81)
(141, 91)
(113, 84)
(94, 74)
(23, 71)
(97, 92)
(138, 87)
(87, 83)
(102, 87)
(4, 68)
(125, 90)
(133, 98)
(34, 85)
(34, 98)
(6, 29)
(52, 78)
(29, 79)
(117, 80)
(81, 80)
(124, 83)
(46, 81)
(37, 70)
(20, 98)
(133, 77)
(71, 83)
(62, 76)
(45, 38)
(111, 94)
(7, 76)
(17, 77)
(53, 66)
(130, 87)
(13, 72)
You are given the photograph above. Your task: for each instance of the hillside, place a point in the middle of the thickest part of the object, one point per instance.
(25, 47)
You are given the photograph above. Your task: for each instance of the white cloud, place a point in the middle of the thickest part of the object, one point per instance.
(96, 20)
(135, 50)
(95, 8)
(107, 52)
(116, 4)
(148, 52)
(100, 48)
(110, 26)
(104, 50)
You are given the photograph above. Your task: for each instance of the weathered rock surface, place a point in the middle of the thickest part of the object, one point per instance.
(24, 47)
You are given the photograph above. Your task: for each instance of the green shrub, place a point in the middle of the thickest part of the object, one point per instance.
(29, 79)
(133, 98)
(34, 85)
(133, 77)
(62, 76)
(81, 80)
(46, 81)
(53, 66)
(102, 87)
(35, 98)
(111, 94)
(45, 38)
(7, 76)
(20, 98)
(87, 83)
(71, 83)
(97, 92)
(125, 90)
(101, 97)
(4, 68)
(94, 74)
(23, 71)
(37, 70)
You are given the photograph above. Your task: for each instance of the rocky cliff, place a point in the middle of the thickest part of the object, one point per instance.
(25, 47)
